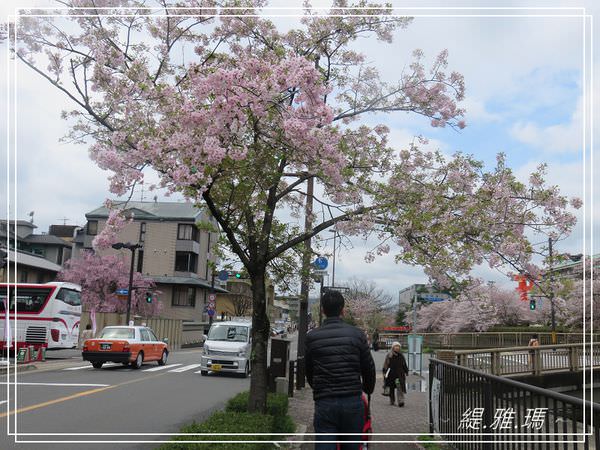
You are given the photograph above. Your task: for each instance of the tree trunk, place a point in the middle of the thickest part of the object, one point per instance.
(257, 401)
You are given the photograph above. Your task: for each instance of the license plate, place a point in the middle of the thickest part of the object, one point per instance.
(215, 367)
(105, 346)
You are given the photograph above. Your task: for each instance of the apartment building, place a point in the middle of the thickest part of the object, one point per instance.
(38, 257)
(237, 300)
(175, 253)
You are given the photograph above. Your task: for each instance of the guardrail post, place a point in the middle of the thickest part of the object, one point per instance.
(291, 372)
(537, 361)
(495, 356)
(573, 358)
(300, 372)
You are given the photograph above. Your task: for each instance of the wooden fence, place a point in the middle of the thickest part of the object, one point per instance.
(172, 329)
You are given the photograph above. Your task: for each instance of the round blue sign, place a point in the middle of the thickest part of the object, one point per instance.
(321, 263)
(211, 312)
(223, 275)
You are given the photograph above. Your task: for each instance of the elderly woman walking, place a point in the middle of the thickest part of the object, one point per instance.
(395, 370)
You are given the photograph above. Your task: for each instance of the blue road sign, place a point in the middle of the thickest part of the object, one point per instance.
(223, 275)
(211, 312)
(122, 291)
(432, 298)
(321, 263)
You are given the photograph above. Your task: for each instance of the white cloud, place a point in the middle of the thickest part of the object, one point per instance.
(559, 138)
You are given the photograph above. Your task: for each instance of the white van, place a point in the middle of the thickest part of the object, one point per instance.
(227, 348)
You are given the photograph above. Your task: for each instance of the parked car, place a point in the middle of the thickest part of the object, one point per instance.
(227, 348)
(127, 345)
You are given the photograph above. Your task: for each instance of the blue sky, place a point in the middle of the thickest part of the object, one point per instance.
(524, 97)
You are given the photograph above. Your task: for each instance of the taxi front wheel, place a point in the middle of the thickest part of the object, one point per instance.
(138, 360)
(163, 359)
(97, 365)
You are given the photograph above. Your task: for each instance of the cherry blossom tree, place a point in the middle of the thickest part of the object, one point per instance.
(366, 305)
(101, 276)
(477, 308)
(250, 113)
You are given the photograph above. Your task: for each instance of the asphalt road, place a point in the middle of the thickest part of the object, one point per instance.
(75, 398)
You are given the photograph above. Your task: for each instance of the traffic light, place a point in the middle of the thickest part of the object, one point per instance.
(148, 297)
(532, 304)
(238, 275)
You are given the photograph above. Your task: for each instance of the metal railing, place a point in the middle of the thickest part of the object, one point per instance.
(482, 340)
(475, 410)
(530, 360)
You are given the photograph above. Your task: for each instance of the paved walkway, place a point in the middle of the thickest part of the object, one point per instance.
(411, 419)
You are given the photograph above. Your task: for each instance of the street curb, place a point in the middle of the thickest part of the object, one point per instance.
(39, 366)
(20, 368)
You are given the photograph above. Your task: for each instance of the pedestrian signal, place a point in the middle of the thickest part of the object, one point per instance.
(532, 304)
(148, 297)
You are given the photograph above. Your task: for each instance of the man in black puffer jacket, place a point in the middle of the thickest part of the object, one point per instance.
(339, 367)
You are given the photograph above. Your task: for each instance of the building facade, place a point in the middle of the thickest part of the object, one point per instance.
(38, 257)
(176, 254)
(237, 301)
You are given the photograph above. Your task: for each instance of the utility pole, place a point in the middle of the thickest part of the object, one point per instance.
(333, 269)
(132, 248)
(552, 312)
(305, 286)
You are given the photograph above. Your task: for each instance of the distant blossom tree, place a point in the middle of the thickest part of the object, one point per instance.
(366, 305)
(478, 308)
(101, 276)
(250, 113)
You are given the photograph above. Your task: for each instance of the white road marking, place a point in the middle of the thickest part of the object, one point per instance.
(184, 368)
(3, 402)
(59, 384)
(89, 366)
(156, 369)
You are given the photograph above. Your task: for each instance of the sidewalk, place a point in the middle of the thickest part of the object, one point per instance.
(412, 418)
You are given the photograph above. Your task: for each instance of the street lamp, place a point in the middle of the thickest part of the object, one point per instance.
(133, 248)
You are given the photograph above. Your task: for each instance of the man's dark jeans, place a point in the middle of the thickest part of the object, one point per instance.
(338, 415)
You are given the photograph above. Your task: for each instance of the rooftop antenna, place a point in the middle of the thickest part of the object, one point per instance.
(156, 199)
(31, 215)
(64, 219)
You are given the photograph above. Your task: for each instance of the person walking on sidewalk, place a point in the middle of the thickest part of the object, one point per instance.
(395, 370)
(339, 367)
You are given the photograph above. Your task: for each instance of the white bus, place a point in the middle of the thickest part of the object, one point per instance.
(47, 314)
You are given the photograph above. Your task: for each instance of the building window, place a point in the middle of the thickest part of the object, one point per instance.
(187, 232)
(142, 231)
(39, 251)
(184, 296)
(92, 227)
(186, 262)
(140, 261)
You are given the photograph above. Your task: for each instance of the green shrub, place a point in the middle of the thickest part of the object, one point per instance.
(238, 403)
(226, 422)
(429, 443)
(277, 406)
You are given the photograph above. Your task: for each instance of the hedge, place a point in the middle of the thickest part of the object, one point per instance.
(237, 419)
(226, 422)
(277, 406)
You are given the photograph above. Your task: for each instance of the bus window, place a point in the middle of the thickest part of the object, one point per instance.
(28, 300)
(69, 296)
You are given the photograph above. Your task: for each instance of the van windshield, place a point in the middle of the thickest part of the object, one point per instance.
(232, 333)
